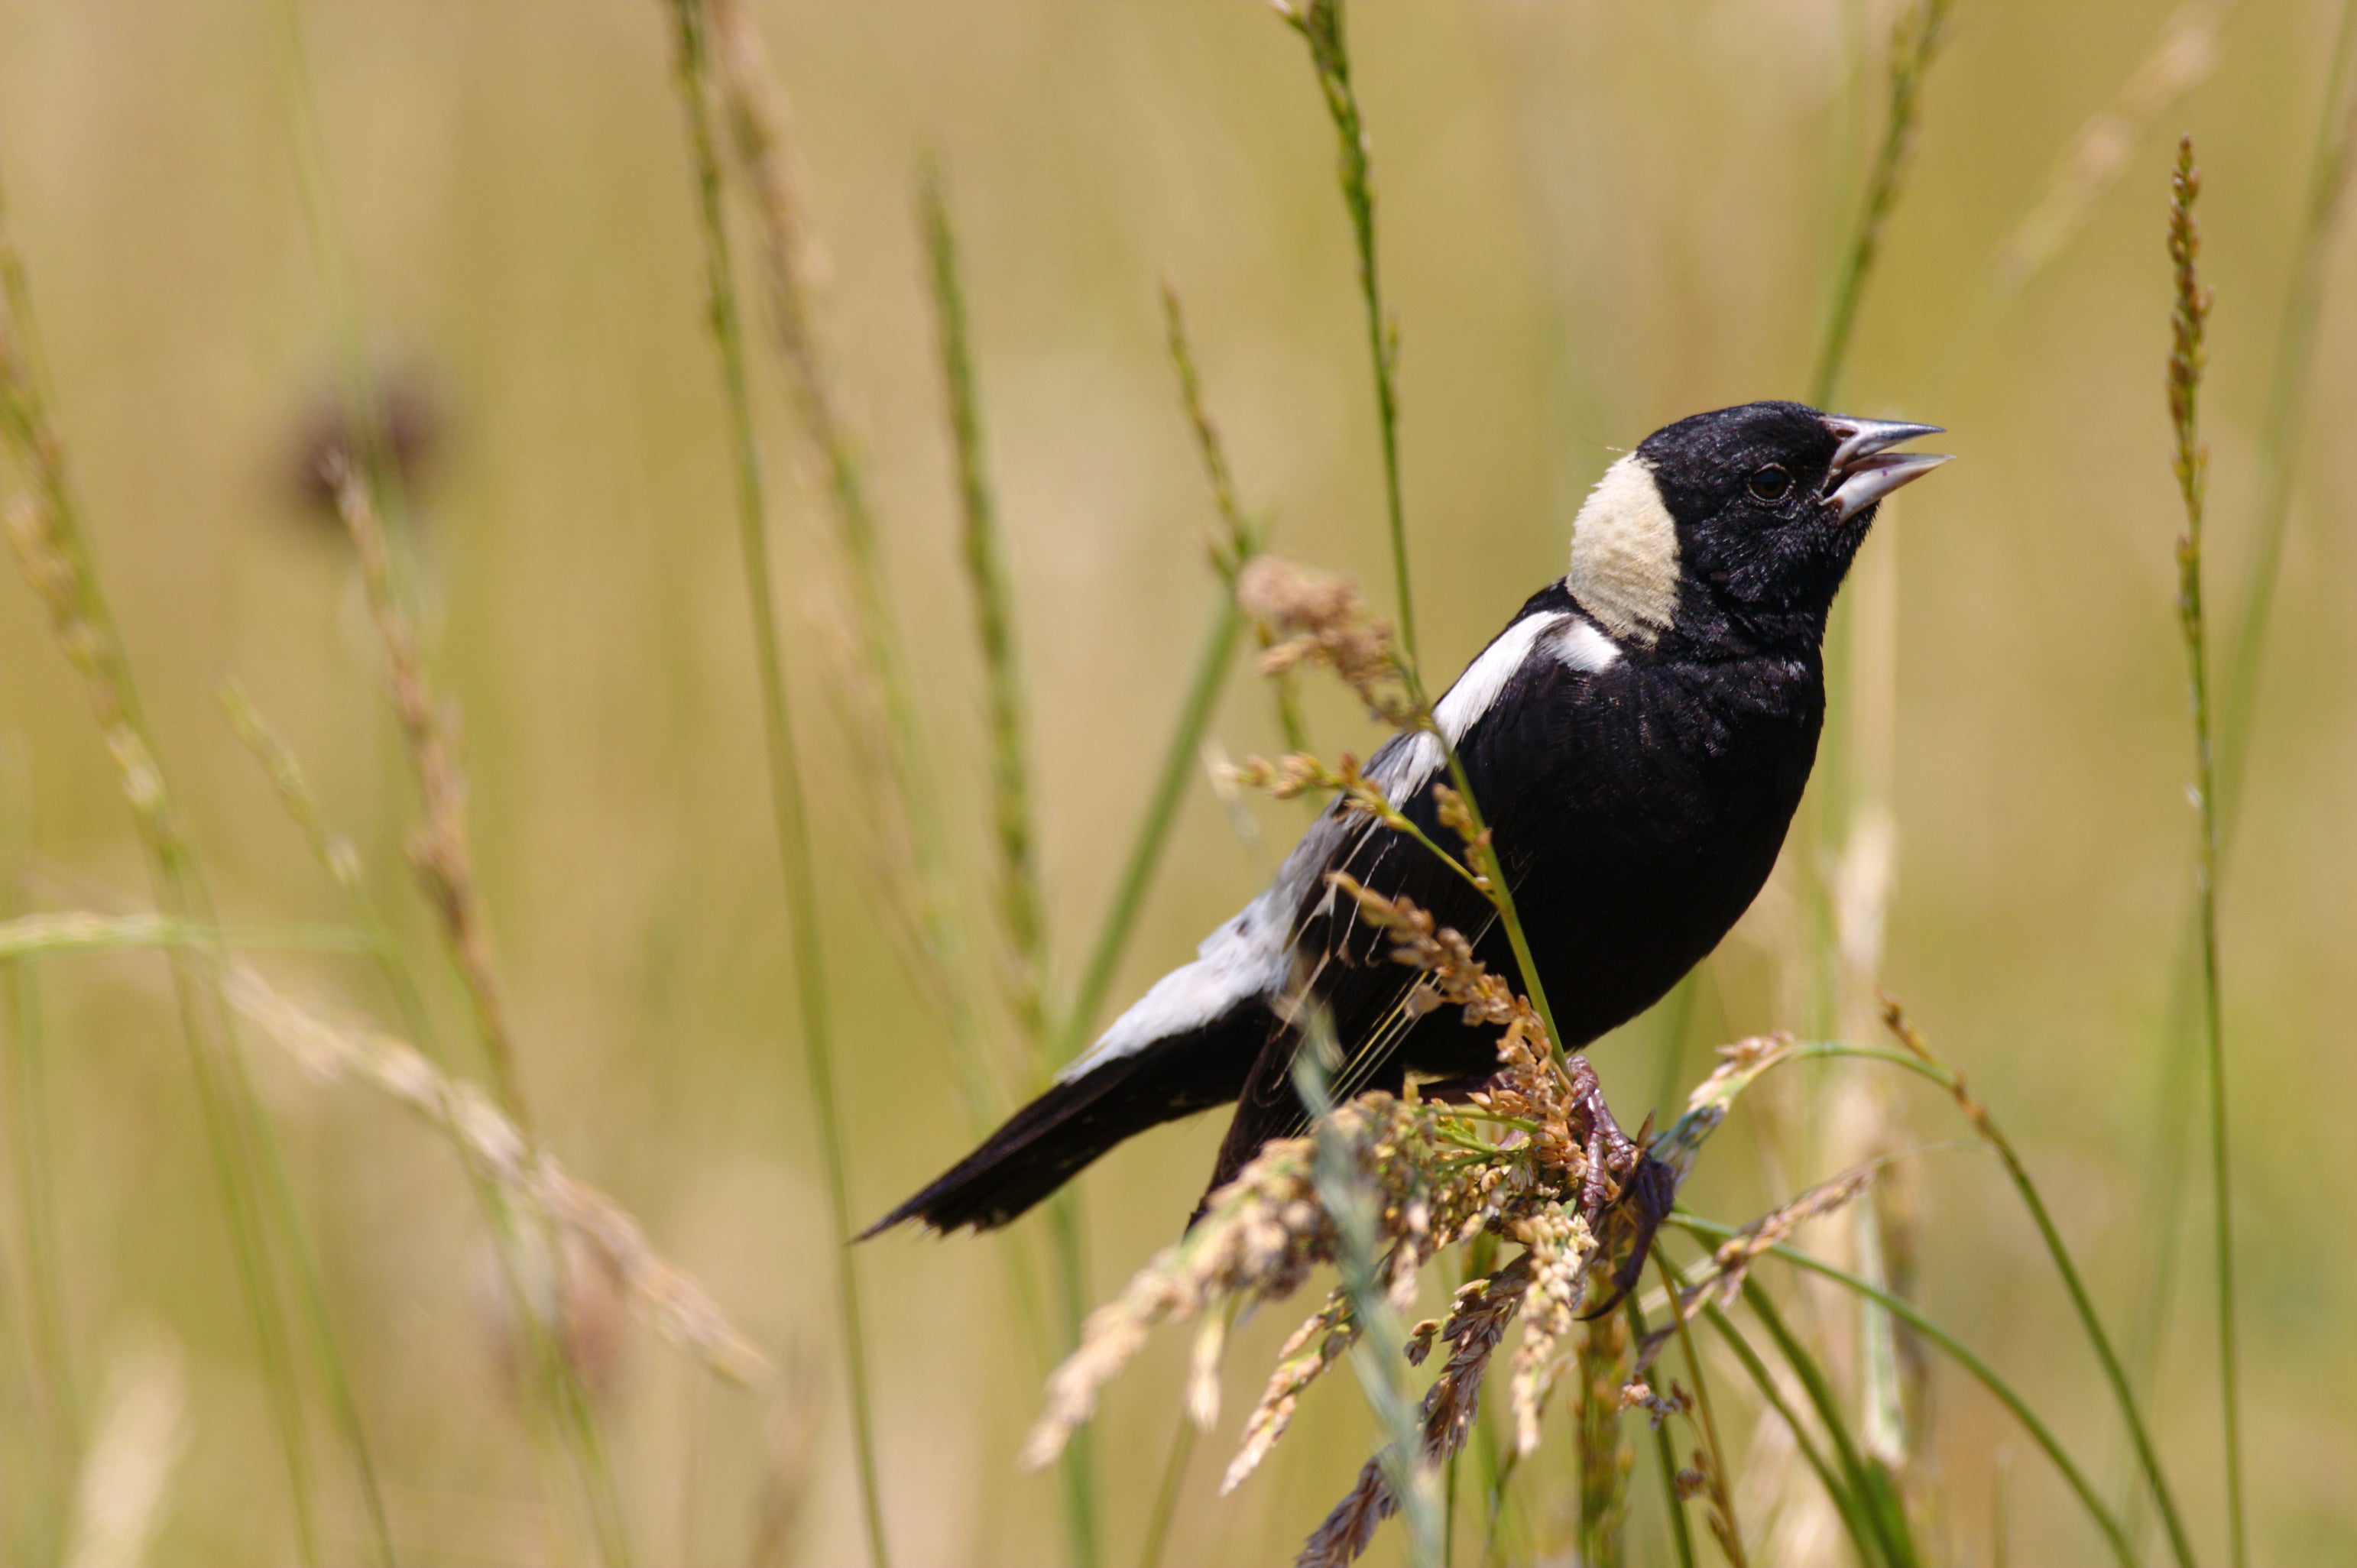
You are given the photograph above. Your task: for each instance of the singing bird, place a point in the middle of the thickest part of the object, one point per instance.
(1638, 737)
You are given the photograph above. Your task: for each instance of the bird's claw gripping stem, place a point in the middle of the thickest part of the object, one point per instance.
(1623, 1189)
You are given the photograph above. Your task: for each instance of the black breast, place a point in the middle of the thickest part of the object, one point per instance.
(1637, 811)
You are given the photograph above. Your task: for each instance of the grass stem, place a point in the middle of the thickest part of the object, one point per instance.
(2186, 361)
(1179, 764)
(1963, 1356)
(1242, 540)
(1601, 1537)
(1915, 41)
(2290, 386)
(1024, 927)
(53, 547)
(1379, 1353)
(1166, 1494)
(1729, 1528)
(1320, 22)
(792, 823)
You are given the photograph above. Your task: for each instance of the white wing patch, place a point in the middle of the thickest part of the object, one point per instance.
(1251, 955)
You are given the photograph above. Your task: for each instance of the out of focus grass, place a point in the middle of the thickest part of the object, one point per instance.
(1592, 220)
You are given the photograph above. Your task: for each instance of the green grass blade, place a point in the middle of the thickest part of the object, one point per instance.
(1915, 41)
(1320, 22)
(691, 23)
(54, 550)
(1861, 1531)
(1664, 1456)
(1892, 1546)
(1024, 927)
(1179, 764)
(1963, 1355)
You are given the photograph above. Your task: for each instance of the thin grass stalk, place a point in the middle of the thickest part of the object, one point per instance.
(1179, 764)
(1320, 25)
(442, 853)
(1067, 1232)
(1731, 1539)
(754, 108)
(2186, 361)
(1242, 540)
(53, 1410)
(459, 1111)
(2115, 1373)
(1888, 1533)
(1845, 1505)
(46, 527)
(1166, 1494)
(1025, 929)
(1961, 1354)
(562, 1398)
(75, 930)
(1598, 1421)
(1320, 22)
(2290, 387)
(334, 853)
(1380, 1350)
(1915, 41)
(692, 68)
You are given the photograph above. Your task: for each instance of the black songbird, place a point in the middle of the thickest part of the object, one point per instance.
(1638, 737)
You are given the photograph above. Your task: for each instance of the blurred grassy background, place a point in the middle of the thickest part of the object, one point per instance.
(1594, 219)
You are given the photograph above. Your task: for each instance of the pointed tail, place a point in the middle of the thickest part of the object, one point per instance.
(1057, 1135)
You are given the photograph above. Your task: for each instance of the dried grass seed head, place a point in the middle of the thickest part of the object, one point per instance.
(1320, 617)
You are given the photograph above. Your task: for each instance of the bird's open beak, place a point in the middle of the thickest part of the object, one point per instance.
(1865, 470)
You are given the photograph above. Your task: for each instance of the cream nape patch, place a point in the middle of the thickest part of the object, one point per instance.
(1624, 554)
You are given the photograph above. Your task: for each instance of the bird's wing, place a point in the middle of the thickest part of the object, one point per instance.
(1510, 716)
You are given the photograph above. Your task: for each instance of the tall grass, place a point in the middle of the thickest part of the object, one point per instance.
(1363, 1195)
(2290, 385)
(2187, 360)
(45, 526)
(693, 64)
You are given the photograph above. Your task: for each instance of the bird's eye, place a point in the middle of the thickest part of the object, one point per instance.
(1771, 483)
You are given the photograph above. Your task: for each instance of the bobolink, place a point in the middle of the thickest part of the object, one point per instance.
(1638, 738)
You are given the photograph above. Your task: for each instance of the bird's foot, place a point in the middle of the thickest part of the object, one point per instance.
(1625, 1193)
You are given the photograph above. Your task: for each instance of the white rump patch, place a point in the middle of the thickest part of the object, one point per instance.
(1243, 958)
(1624, 554)
(1247, 956)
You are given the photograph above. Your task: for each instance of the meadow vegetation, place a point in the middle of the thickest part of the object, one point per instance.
(635, 630)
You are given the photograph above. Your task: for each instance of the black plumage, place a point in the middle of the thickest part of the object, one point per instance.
(1638, 737)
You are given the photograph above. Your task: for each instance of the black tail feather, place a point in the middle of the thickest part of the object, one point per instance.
(1054, 1138)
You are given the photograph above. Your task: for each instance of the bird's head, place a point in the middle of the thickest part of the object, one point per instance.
(1736, 525)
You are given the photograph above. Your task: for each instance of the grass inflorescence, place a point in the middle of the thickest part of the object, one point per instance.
(2188, 357)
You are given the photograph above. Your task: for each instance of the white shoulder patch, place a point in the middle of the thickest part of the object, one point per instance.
(1624, 554)
(1583, 648)
(1485, 679)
